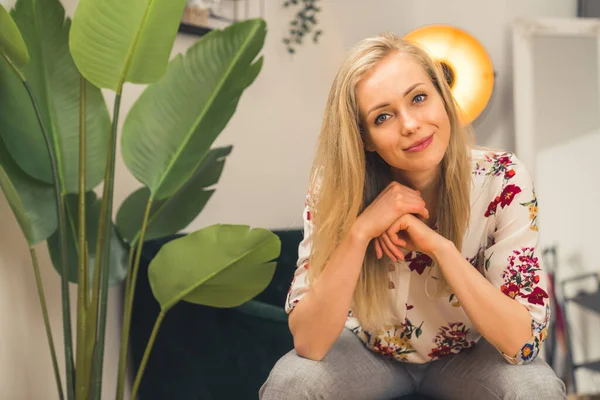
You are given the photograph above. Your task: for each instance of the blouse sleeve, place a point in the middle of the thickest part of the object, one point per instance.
(299, 285)
(512, 261)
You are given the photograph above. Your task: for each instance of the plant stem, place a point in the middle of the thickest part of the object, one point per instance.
(129, 295)
(106, 226)
(140, 372)
(81, 373)
(40, 289)
(62, 229)
(123, 349)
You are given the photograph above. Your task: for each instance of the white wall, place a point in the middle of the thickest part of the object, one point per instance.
(273, 133)
(566, 133)
(569, 192)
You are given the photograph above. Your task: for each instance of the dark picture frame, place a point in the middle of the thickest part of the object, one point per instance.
(588, 8)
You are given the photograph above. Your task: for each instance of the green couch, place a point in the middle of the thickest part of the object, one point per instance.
(205, 353)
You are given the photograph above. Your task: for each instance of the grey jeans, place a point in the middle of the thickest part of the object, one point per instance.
(351, 371)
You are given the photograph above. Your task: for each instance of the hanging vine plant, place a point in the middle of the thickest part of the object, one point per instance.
(303, 25)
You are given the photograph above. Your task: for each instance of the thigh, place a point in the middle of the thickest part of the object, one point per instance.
(482, 373)
(348, 371)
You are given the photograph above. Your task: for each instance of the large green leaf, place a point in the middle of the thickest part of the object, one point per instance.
(218, 266)
(172, 125)
(170, 215)
(12, 46)
(117, 41)
(32, 202)
(55, 82)
(118, 256)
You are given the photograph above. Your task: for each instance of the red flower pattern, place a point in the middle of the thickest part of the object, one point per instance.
(537, 296)
(418, 261)
(511, 290)
(504, 200)
(508, 194)
(451, 339)
(500, 162)
(521, 278)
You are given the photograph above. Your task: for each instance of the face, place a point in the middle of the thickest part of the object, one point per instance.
(403, 116)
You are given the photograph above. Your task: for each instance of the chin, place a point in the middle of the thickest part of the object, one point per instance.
(424, 161)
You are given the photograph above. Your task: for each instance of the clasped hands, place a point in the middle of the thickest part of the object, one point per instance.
(392, 222)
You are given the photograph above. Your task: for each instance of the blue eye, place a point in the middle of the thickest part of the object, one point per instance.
(421, 96)
(380, 120)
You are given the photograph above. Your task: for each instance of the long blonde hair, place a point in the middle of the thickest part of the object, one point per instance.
(345, 178)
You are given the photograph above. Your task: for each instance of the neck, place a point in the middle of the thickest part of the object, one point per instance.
(426, 182)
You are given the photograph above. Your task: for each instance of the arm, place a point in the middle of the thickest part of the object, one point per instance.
(320, 310)
(504, 322)
(317, 321)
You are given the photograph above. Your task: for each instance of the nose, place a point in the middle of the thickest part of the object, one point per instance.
(410, 123)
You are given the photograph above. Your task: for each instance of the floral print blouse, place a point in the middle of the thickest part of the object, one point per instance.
(501, 243)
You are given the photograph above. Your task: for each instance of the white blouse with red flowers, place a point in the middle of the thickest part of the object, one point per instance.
(501, 242)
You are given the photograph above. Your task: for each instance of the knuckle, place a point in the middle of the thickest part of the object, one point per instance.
(398, 206)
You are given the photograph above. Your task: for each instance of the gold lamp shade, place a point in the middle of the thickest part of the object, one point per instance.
(467, 66)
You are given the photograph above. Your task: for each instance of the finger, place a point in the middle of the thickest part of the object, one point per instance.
(381, 249)
(397, 240)
(417, 207)
(412, 195)
(386, 250)
(388, 243)
(399, 225)
(378, 250)
(404, 188)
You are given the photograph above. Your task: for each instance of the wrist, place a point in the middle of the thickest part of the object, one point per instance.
(442, 248)
(358, 236)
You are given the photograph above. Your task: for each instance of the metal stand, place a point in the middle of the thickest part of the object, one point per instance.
(590, 301)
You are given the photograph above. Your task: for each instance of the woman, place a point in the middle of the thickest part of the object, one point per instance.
(419, 270)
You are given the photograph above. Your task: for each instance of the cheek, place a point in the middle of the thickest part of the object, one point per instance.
(439, 117)
(438, 114)
(383, 141)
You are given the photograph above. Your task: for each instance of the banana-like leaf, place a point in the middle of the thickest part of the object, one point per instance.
(118, 256)
(170, 215)
(12, 46)
(219, 266)
(172, 125)
(55, 83)
(117, 41)
(32, 202)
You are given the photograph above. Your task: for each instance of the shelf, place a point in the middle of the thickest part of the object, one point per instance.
(591, 301)
(594, 365)
(193, 29)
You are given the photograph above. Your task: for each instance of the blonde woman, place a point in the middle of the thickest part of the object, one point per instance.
(419, 271)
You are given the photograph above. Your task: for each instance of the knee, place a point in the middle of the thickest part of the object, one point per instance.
(294, 377)
(543, 384)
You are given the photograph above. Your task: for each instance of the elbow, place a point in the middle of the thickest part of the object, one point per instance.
(311, 351)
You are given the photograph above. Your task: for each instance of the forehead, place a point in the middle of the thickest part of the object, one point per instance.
(390, 77)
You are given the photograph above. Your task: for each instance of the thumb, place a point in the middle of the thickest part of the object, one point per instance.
(398, 225)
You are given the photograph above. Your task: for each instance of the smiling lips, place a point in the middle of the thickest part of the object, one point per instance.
(420, 145)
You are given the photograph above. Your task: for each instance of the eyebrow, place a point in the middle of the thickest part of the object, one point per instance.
(407, 91)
